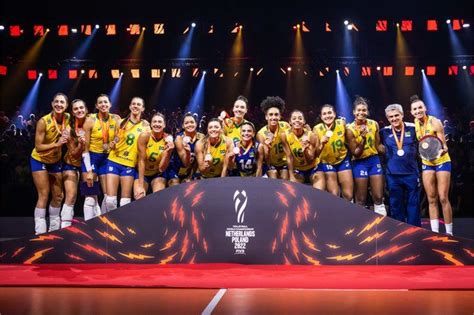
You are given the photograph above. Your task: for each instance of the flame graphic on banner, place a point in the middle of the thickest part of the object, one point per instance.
(185, 246)
(290, 189)
(131, 231)
(443, 239)
(346, 257)
(49, 237)
(370, 238)
(311, 260)
(468, 252)
(109, 236)
(190, 189)
(197, 198)
(449, 257)
(308, 243)
(194, 224)
(76, 230)
(18, 251)
(112, 225)
(168, 259)
(349, 232)
(147, 245)
(408, 231)
(284, 227)
(411, 258)
(371, 225)
(37, 255)
(282, 198)
(95, 250)
(390, 250)
(240, 205)
(294, 247)
(333, 246)
(136, 256)
(170, 242)
(72, 256)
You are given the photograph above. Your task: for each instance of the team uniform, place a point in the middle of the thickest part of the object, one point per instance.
(102, 134)
(402, 175)
(123, 159)
(176, 168)
(300, 165)
(277, 154)
(246, 159)
(232, 129)
(334, 155)
(443, 163)
(72, 163)
(218, 153)
(50, 160)
(368, 163)
(154, 154)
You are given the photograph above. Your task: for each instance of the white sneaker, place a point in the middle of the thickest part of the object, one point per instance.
(54, 223)
(40, 225)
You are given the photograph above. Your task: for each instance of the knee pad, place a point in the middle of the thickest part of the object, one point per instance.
(124, 201)
(111, 203)
(90, 203)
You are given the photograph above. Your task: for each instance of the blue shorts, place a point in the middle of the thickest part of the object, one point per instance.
(69, 167)
(339, 167)
(37, 166)
(98, 163)
(367, 167)
(276, 168)
(150, 178)
(444, 167)
(119, 169)
(308, 174)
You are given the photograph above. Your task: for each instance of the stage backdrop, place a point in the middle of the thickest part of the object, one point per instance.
(241, 220)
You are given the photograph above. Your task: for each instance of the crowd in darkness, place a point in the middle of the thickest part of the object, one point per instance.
(17, 133)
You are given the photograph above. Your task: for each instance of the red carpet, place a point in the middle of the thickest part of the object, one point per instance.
(240, 276)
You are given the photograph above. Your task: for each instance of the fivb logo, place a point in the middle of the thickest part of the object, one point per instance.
(240, 202)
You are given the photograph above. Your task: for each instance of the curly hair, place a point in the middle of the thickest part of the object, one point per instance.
(272, 101)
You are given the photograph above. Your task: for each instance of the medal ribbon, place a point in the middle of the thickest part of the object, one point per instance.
(399, 142)
(63, 124)
(105, 129)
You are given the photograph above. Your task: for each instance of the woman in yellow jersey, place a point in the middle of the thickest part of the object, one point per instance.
(183, 162)
(124, 155)
(214, 151)
(51, 134)
(232, 125)
(301, 149)
(275, 158)
(72, 159)
(436, 174)
(335, 160)
(99, 134)
(364, 142)
(154, 153)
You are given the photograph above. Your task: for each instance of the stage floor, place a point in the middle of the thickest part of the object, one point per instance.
(61, 300)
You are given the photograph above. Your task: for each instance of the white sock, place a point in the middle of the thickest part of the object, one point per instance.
(124, 201)
(434, 225)
(103, 206)
(67, 213)
(54, 219)
(449, 228)
(40, 221)
(111, 203)
(89, 207)
(380, 209)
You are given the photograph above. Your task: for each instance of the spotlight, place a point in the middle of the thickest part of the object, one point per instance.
(378, 68)
(464, 67)
(143, 28)
(40, 74)
(83, 71)
(298, 26)
(448, 21)
(204, 72)
(288, 69)
(2, 27)
(466, 25)
(337, 71)
(74, 30)
(423, 70)
(48, 30)
(193, 24)
(346, 22)
(121, 73)
(240, 27)
(251, 69)
(164, 70)
(97, 26)
(398, 24)
(349, 27)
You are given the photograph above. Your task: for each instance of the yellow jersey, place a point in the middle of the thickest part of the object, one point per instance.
(218, 153)
(277, 154)
(53, 131)
(335, 150)
(232, 130)
(369, 147)
(296, 148)
(154, 153)
(100, 130)
(425, 130)
(126, 150)
(71, 160)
